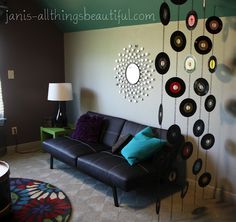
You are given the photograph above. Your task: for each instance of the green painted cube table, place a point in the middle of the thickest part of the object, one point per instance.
(53, 132)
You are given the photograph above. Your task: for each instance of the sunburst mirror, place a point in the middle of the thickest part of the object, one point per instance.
(134, 73)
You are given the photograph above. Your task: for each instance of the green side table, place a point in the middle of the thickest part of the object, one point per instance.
(53, 132)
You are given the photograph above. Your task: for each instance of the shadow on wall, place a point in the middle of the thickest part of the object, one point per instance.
(88, 100)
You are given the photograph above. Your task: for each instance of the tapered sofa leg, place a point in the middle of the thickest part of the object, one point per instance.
(114, 190)
(51, 162)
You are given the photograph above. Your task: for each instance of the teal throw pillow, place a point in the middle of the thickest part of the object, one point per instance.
(142, 146)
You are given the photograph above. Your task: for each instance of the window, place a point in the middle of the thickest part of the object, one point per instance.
(1, 107)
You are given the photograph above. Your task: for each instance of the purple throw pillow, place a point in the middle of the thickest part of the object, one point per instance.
(88, 128)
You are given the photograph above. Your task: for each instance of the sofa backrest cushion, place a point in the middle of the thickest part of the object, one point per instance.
(111, 128)
(133, 128)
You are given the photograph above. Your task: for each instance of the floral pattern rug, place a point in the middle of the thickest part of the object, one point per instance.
(37, 201)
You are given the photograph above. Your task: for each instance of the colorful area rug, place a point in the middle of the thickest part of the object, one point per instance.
(36, 201)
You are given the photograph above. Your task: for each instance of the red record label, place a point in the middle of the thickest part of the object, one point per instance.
(175, 87)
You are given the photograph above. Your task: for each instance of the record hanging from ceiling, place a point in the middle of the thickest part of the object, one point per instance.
(191, 20)
(173, 176)
(160, 114)
(175, 87)
(164, 13)
(190, 64)
(212, 64)
(188, 107)
(178, 41)
(204, 179)
(203, 45)
(214, 25)
(197, 166)
(187, 150)
(179, 2)
(201, 87)
(184, 190)
(174, 134)
(162, 63)
(210, 103)
(207, 141)
(158, 206)
(198, 128)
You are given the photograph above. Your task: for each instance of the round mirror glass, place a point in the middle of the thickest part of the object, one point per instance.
(132, 73)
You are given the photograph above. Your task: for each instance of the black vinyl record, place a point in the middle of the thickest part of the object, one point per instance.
(201, 87)
(204, 179)
(175, 87)
(207, 141)
(210, 103)
(179, 2)
(158, 206)
(191, 20)
(174, 134)
(187, 150)
(173, 175)
(160, 114)
(198, 128)
(188, 107)
(178, 41)
(164, 13)
(203, 45)
(184, 190)
(197, 166)
(212, 64)
(214, 25)
(162, 63)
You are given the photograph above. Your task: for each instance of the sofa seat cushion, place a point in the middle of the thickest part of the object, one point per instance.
(115, 170)
(67, 149)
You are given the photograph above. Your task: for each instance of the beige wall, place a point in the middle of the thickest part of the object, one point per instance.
(90, 60)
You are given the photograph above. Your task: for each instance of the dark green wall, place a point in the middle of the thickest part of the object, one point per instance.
(218, 7)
